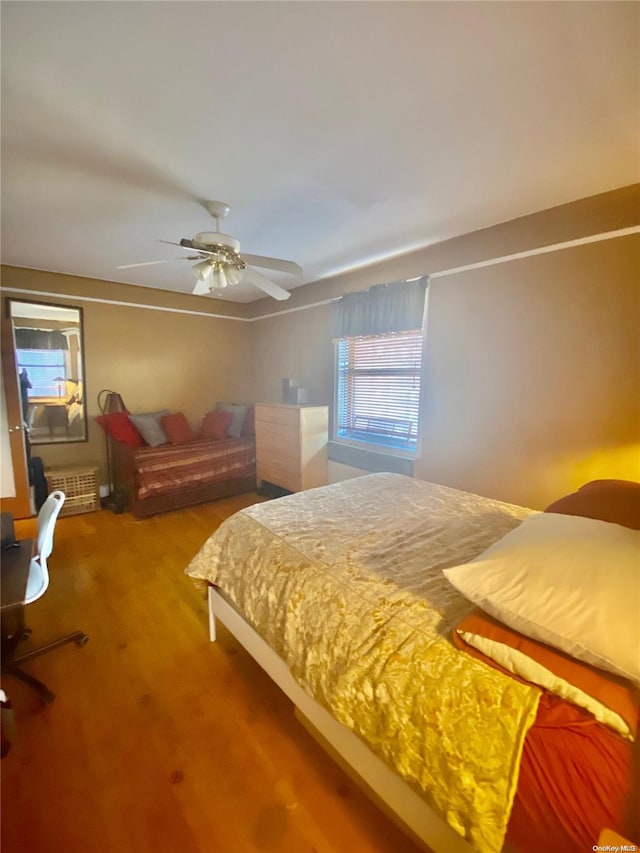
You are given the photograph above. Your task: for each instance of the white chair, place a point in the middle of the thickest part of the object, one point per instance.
(37, 584)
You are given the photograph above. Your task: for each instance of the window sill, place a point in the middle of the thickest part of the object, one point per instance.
(374, 460)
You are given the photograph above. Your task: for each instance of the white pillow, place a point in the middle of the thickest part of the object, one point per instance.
(570, 582)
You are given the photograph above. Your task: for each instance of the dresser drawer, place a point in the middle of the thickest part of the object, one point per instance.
(284, 415)
(279, 472)
(278, 439)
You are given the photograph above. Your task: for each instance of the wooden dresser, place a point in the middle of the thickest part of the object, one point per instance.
(291, 445)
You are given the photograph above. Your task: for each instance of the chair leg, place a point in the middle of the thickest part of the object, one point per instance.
(10, 663)
(45, 694)
(78, 637)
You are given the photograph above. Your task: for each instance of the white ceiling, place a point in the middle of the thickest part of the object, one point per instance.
(339, 132)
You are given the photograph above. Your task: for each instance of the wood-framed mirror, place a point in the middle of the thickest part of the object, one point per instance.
(49, 352)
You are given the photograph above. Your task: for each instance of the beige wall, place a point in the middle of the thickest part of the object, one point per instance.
(532, 374)
(155, 359)
(297, 346)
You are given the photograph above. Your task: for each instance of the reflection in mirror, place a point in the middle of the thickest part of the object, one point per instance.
(50, 364)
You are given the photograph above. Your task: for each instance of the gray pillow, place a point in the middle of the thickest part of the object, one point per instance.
(149, 426)
(238, 414)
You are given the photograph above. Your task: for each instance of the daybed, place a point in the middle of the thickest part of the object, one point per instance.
(183, 469)
(466, 752)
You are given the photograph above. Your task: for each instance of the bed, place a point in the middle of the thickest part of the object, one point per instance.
(439, 734)
(157, 462)
(150, 480)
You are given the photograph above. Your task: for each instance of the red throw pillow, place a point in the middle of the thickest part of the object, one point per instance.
(616, 501)
(215, 425)
(119, 427)
(176, 427)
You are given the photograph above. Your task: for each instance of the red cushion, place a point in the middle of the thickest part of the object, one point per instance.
(215, 425)
(176, 427)
(616, 501)
(120, 428)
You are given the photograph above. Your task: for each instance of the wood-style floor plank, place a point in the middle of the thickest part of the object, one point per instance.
(159, 740)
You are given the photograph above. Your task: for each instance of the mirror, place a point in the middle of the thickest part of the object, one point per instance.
(48, 342)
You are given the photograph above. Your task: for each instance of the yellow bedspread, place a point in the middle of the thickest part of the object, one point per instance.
(345, 583)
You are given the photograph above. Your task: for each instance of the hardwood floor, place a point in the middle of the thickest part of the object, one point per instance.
(159, 740)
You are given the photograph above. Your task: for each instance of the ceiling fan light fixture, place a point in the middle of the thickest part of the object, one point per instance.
(219, 278)
(203, 270)
(201, 289)
(234, 275)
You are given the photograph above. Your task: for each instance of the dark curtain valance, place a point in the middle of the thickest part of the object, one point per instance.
(39, 339)
(382, 309)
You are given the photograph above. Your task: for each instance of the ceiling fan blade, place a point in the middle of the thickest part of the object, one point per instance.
(143, 264)
(251, 276)
(202, 288)
(189, 244)
(272, 263)
(164, 261)
(192, 244)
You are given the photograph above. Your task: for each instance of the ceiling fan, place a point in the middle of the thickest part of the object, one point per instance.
(220, 263)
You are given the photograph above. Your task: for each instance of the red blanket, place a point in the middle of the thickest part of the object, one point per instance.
(574, 781)
(575, 774)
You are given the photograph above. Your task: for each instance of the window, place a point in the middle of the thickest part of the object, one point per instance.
(46, 371)
(378, 391)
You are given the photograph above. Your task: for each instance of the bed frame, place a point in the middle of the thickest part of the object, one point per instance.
(391, 793)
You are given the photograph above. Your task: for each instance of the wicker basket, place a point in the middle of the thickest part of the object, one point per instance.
(79, 486)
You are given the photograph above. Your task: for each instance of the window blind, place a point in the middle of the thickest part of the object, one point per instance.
(378, 389)
(44, 367)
